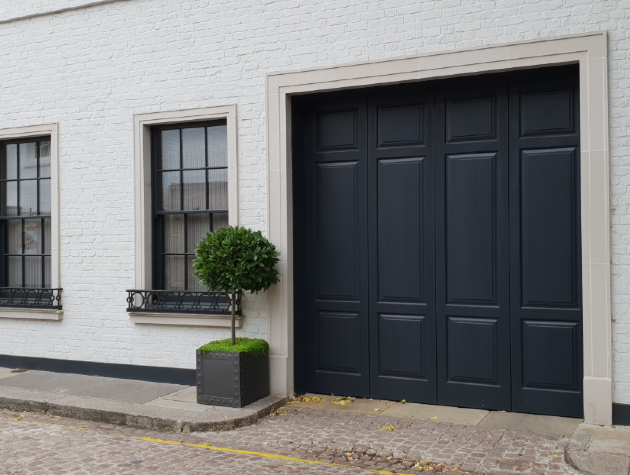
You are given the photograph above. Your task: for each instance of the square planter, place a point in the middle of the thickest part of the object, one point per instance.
(231, 379)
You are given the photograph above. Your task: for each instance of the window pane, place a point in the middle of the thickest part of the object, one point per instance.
(219, 220)
(174, 272)
(9, 201)
(44, 197)
(44, 159)
(48, 270)
(28, 160)
(174, 233)
(194, 147)
(28, 198)
(171, 191)
(170, 149)
(217, 188)
(47, 238)
(198, 227)
(11, 163)
(195, 190)
(217, 146)
(33, 271)
(193, 283)
(14, 241)
(15, 271)
(32, 236)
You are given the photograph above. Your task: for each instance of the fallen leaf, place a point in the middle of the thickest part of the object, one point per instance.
(389, 458)
(377, 409)
(388, 428)
(434, 418)
(342, 423)
(555, 456)
(265, 443)
(403, 401)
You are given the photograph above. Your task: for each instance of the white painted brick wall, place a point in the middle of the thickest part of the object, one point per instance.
(92, 69)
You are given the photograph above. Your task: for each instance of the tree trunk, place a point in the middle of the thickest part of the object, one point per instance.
(233, 318)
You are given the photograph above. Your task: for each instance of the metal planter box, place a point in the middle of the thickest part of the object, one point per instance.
(231, 379)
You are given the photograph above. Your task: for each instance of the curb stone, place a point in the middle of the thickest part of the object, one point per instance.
(577, 456)
(141, 421)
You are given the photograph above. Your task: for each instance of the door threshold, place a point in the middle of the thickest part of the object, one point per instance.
(550, 425)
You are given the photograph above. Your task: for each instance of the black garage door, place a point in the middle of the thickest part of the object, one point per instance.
(437, 242)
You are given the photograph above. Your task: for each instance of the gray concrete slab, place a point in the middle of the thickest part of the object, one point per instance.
(38, 381)
(185, 395)
(7, 373)
(125, 390)
(170, 404)
(453, 415)
(611, 440)
(531, 422)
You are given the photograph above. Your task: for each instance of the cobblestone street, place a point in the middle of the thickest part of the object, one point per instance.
(322, 442)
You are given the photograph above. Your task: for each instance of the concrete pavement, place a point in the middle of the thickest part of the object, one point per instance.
(159, 406)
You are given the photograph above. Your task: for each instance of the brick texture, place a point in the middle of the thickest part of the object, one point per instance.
(91, 69)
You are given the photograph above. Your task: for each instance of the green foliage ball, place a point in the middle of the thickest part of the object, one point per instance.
(236, 258)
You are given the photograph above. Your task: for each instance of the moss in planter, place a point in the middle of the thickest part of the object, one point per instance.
(251, 346)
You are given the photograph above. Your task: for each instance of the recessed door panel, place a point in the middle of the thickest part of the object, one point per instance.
(338, 348)
(471, 234)
(473, 350)
(550, 355)
(400, 228)
(401, 341)
(548, 254)
(337, 233)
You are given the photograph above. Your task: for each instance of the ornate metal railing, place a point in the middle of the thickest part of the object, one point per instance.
(27, 297)
(181, 301)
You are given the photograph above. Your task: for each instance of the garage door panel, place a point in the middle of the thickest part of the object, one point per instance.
(547, 113)
(400, 125)
(337, 243)
(402, 244)
(338, 342)
(471, 119)
(549, 256)
(472, 350)
(402, 346)
(550, 352)
(337, 130)
(471, 235)
(545, 264)
(400, 224)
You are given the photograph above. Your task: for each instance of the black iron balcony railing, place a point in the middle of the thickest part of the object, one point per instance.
(30, 298)
(181, 301)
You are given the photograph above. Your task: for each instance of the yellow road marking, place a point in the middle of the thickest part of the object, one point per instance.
(225, 449)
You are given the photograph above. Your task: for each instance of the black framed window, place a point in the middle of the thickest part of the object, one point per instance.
(25, 206)
(190, 197)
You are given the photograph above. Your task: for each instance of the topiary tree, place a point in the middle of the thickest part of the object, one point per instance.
(234, 259)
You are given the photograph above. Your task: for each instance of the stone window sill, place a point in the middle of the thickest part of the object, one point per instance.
(185, 319)
(25, 313)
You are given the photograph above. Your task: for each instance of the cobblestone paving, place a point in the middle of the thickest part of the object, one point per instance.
(39, 444)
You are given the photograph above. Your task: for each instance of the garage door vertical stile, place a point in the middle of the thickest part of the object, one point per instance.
(546, 279)
(402, 243)
(472, 266)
